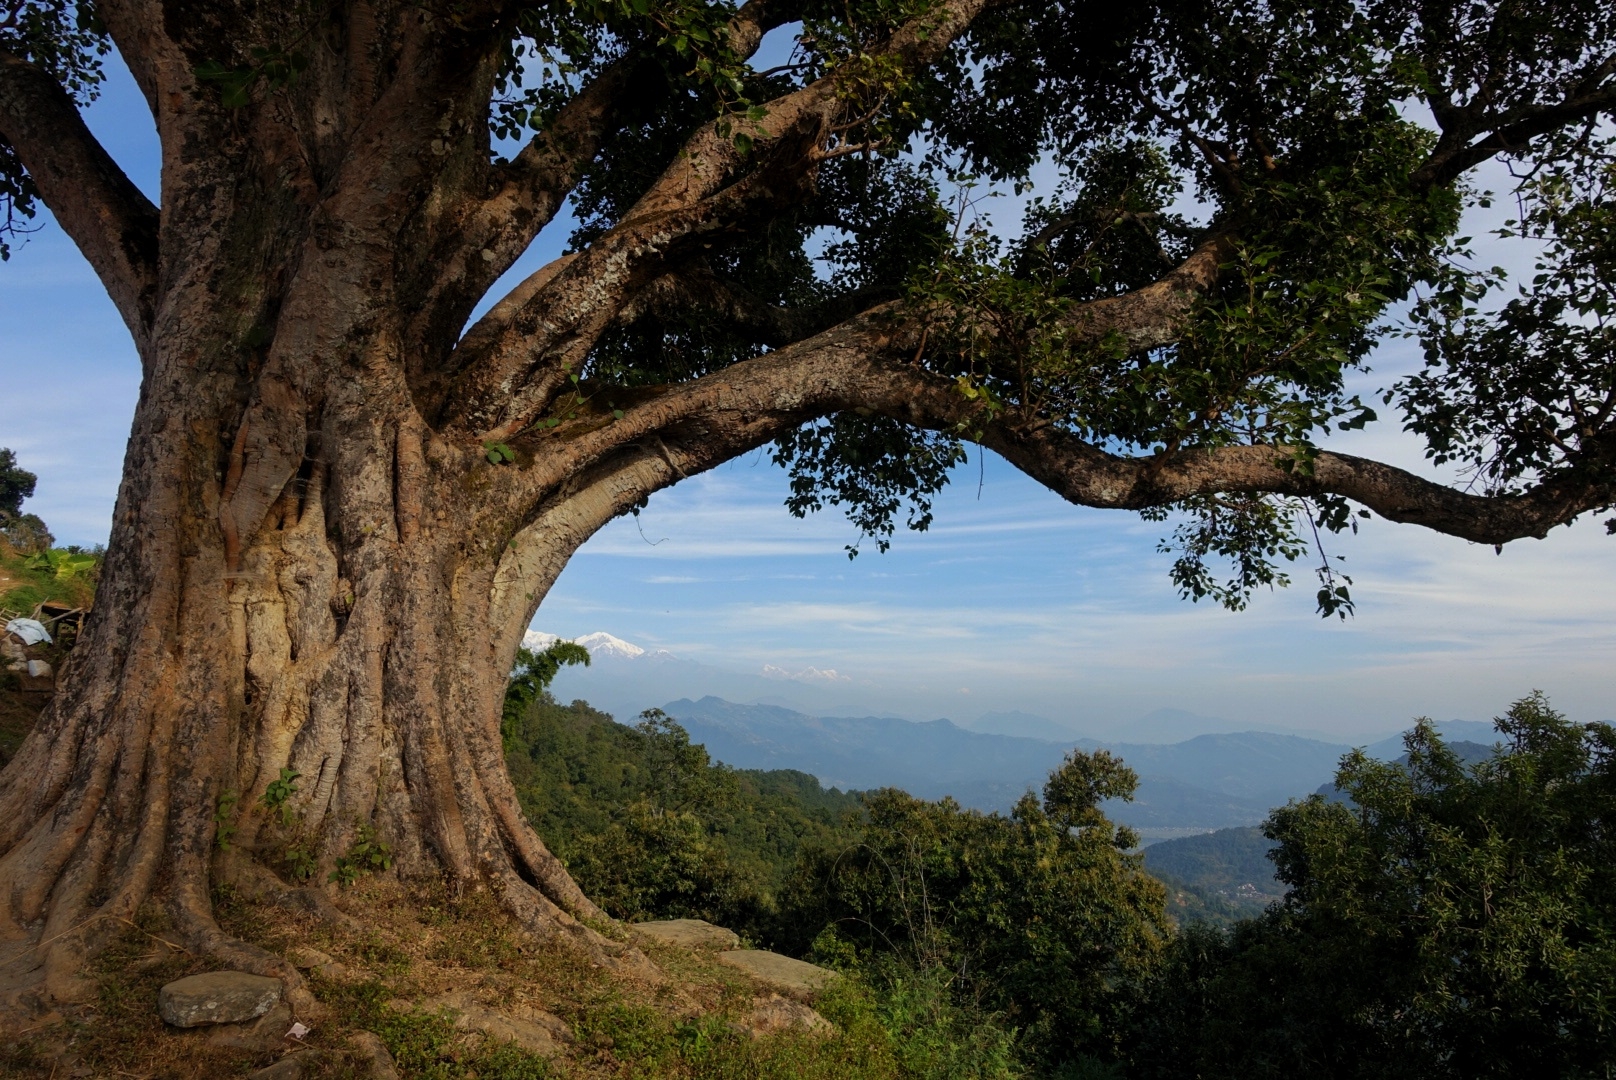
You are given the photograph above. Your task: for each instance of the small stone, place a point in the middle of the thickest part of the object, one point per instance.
(369, 1045)
(776, 1014)
(779, 972)
(287, 1068)
(217, 997)
(306, 958)
(690, 933)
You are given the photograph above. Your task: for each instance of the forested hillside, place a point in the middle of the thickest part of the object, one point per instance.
(651, 828)
(1041, 948)
(1218, 877)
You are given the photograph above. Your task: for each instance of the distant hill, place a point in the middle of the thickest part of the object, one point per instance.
(1206, 782)
(1217, 877)
(929, 759)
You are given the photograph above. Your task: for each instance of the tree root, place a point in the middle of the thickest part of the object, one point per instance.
(257, 882)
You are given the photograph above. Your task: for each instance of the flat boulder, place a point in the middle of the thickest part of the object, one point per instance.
(779, 972)
(689, 933)
(217, 997)
(775, 1014)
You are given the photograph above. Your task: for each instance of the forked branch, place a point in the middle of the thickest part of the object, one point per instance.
(110, 219)
(709, 188)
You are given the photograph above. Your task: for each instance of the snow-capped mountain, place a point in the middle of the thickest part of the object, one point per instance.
(600, 644)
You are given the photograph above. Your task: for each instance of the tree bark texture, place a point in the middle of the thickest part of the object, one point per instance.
(313, 563)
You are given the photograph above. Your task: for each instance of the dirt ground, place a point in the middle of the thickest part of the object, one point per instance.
(405, 974)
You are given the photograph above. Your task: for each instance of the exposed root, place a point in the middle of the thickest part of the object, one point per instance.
(544, 919)
(256, 882)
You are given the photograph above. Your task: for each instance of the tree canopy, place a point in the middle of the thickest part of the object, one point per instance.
(16, 484)
(1449, 920)
(1232, 204)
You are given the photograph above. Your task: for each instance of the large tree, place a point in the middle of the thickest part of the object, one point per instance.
(342, 504)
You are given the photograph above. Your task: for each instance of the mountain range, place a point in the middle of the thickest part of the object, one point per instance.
(1206, 782)
(625, 678)
(1190, 780)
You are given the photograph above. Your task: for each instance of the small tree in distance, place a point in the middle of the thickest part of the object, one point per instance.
(25, 532)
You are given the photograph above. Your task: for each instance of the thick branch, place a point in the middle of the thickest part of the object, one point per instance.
(1154, 315)
(698, 196)
(863, 365)
(108, 217)
(526, 194)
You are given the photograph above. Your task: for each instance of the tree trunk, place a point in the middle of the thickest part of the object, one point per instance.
(360, 633)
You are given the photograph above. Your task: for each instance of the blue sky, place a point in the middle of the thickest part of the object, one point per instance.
(1014, 600)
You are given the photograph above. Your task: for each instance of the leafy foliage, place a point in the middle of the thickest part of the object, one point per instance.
(367, 855)
(1452, 921)
(532, 676)
(278, 793)
(16, 484)
(872, 465)
(651, 828)
(1036, 917)
(1525, 391)
(1321, 145)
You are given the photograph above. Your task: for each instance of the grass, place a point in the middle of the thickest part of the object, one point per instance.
(418, 944)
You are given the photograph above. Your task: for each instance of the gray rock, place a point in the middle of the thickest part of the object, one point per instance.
(775, 1014)
(217, 997)
(532, 1029)
(690, 933)
(780, 972)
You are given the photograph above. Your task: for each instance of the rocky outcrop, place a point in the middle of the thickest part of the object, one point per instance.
(532, 1029)
(775, 1014)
